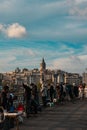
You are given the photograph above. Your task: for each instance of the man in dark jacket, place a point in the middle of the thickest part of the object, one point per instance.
(27, 99)
(4, 98)
(52, 92)
(6, 103)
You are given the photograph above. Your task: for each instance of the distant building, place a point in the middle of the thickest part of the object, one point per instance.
(85, 78)
(73, 78)
(17, 70)
(34, 77)
(38, 76)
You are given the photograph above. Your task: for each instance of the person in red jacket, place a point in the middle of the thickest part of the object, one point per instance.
(20, 107)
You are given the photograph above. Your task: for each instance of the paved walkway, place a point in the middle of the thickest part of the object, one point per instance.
(61, 117)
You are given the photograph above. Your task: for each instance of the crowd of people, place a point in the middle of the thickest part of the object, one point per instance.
(70, 92)
(35, 100)
(62, 92)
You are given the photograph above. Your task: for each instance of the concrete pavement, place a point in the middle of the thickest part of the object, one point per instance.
(60, 117)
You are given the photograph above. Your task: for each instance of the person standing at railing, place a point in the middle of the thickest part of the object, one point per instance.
(6, 103)
(81, 91)
(52, 92)
(44, 94)
(27, 98)
(4, 98)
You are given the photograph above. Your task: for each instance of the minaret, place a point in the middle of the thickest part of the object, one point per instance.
(42, 70)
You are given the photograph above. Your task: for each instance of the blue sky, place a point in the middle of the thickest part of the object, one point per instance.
(53, 29)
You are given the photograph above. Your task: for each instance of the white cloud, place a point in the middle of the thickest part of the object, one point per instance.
(78, 11)
(76, 2)
(71, 62)
(1, 27)
(21, 52)
(80, 1)
(78, 7)
(72, 25)
(75, 64)
(17, 57)
(5, 4)
(14, 30)
(28, 57)
(5, 62)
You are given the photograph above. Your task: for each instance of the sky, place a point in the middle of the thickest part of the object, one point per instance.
(53, 29)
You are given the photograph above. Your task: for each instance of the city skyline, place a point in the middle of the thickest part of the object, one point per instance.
(34, 29)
